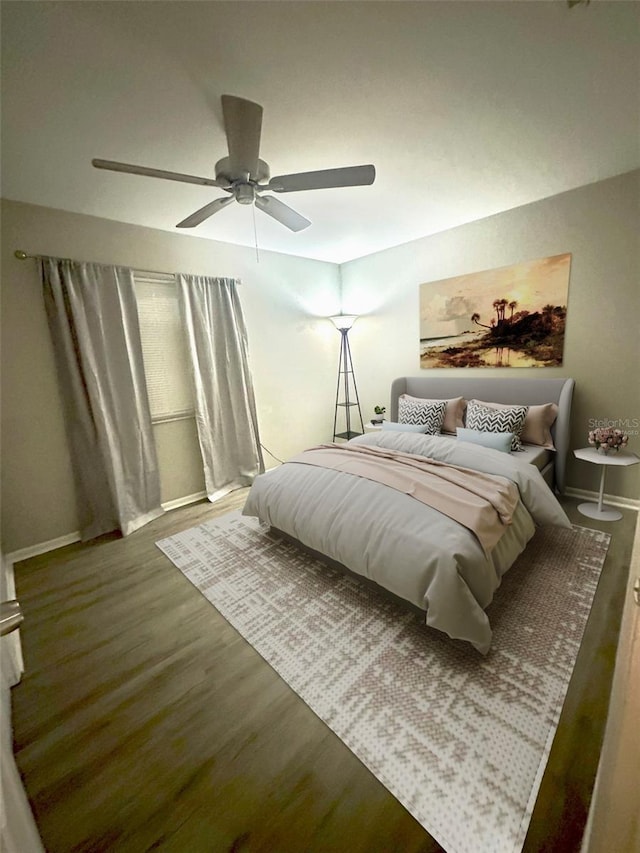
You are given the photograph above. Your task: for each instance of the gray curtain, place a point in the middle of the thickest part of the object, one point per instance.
(93, 321)
(225, 406)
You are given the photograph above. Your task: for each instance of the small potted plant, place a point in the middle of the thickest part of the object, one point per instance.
(379, 415)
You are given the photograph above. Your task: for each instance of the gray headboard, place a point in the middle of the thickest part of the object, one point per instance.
(527, 392)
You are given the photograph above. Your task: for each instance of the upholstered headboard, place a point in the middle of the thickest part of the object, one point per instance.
(527, 392)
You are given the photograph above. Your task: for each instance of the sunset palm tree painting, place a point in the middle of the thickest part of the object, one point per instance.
(507, 317)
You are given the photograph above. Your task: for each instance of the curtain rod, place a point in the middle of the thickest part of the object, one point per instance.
(23, 256)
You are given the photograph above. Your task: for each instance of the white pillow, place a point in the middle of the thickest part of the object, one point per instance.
(484, 419)
(394, 427)
(496, 440)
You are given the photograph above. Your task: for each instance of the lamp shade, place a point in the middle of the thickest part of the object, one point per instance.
(343, 321)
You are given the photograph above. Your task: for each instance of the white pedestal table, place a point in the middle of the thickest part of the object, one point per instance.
(620, 459)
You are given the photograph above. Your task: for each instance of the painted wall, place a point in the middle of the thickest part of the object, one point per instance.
(599, 224)
(293, 356)
(293, 351)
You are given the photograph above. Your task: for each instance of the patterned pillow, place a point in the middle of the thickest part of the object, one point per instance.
(537, 424)
(453, 414)
(428, 414)
(483, 418)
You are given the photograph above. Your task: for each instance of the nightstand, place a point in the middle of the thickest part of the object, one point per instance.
(620, 459)
(373, 426)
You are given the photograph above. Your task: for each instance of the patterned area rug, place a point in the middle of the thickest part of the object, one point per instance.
(460, 740)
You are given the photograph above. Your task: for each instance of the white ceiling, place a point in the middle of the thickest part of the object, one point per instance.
(465, 108)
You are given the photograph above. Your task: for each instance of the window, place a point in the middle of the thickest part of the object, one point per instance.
(164, 347)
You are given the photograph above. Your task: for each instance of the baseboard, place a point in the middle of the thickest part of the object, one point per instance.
(185, 501)
(612, 500)
(42, 547)
(70, 538)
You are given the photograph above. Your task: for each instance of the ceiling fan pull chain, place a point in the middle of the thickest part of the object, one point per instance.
(255, 232)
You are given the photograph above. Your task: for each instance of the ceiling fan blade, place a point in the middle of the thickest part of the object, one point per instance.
(205, 212)
(349, 176)
(243, 126)
(282, 212)
(113, 166)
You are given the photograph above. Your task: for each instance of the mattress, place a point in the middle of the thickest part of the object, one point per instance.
(535, 455)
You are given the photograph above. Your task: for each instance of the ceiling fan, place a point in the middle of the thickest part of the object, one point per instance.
(245, 177)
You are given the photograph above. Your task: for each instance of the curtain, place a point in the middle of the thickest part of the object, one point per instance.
(93, 321)
(226, 417)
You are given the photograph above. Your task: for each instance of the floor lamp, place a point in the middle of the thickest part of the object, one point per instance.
(346, 379)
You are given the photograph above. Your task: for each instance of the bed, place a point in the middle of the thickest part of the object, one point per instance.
(509, 391)
(386, 506)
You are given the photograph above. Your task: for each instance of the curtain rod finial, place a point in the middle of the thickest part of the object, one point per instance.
(20, 255)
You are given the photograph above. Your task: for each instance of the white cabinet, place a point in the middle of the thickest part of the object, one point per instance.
(18, 831)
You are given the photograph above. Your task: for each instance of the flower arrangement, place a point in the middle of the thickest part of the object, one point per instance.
(606, 438)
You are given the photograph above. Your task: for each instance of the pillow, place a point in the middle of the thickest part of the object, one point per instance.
(486, 419)
(537, 424)
(392, 425)
(453, 413)
(496, 440)
(416, 411)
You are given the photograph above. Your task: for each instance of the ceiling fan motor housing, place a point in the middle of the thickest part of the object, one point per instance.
(224, 173)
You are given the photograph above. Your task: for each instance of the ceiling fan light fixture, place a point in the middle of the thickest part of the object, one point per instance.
(244, 193)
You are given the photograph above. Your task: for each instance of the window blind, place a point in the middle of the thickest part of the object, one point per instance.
(164, 347)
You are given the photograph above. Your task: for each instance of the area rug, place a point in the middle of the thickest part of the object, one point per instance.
(460, 740)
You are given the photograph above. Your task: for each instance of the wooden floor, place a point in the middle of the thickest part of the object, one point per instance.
(145, 722)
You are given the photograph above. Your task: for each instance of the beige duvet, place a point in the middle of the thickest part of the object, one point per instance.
(483, 503)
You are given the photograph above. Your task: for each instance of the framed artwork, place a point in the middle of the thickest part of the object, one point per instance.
(508, 317)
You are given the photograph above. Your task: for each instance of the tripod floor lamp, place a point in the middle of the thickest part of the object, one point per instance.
(347, 391)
